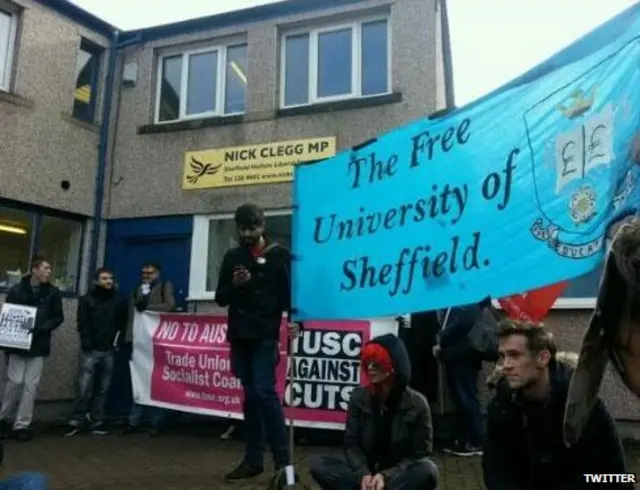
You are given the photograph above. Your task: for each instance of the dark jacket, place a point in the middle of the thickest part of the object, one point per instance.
(524, 448)
(50, 316)
(256, 308)
(454, 337)
(102, 315)
(409, 437)
(160, 299)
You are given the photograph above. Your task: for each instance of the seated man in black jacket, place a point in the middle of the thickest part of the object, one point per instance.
(524, 448)
(388, 437)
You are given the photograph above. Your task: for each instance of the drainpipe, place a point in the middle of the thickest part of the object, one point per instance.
(103, 146)
(447, 58)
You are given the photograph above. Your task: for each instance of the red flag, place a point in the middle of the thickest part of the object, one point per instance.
(534, 305)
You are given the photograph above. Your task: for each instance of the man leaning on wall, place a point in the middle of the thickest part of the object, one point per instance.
(153, 294)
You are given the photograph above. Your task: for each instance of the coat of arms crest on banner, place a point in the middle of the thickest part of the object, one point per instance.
(577, 170)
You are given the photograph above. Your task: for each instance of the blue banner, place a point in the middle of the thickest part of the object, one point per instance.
(508, 194)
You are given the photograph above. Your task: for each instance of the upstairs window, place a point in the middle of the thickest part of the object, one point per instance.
(204, 83)
(87, 76)
(336, 62)
(8, 29)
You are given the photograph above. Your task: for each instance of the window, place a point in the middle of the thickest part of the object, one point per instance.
(23, 234)
(336, 63)
(204, 83)
(8, 24)
(16, 236)
(582, 291)
(213, 236)
(86, 88)
(60, 243)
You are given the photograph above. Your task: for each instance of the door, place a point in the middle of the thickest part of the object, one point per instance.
(172, 253)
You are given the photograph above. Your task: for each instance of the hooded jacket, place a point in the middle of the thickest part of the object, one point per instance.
(613, 333)
(524, 448)
(102, 314)
(48, 301)
(410, 435)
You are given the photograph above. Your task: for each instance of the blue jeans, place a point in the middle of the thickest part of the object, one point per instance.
(254, 363)
(462, 382)
(25, 481)
(89, 363)
(156, 415)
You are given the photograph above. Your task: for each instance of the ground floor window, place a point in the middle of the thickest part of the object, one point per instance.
(26, 233)
(213, 236)
(582, 291)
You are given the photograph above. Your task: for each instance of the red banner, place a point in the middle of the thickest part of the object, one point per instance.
(534, 305)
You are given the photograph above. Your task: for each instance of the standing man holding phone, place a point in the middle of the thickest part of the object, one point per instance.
(255, 283)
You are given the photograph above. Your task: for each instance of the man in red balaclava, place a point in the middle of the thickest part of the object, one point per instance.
(388, 436)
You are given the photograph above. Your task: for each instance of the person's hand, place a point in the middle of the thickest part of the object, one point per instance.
(365, 483)
(377, 483)
(436, 350)
(294, 330)
(240, 276)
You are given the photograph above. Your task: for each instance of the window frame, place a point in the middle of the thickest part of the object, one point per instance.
(356, 60)
(200, 251)
(221, 82)
(97, 51)
(37, 216)
(6, 81)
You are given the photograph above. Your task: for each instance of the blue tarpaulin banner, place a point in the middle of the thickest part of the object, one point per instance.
(510, 193)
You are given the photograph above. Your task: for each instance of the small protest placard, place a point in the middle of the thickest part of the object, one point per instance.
(16, 323)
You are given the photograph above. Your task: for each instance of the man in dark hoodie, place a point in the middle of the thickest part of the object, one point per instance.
(524, 448)
(462, 365)
(25, 367)
(255, 283)
(388, 436)
(101, 318)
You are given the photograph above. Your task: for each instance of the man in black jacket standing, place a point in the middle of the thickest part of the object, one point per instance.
(524, 447)
(102, 319)
(25, 367)
(461, 367)
(255, 283)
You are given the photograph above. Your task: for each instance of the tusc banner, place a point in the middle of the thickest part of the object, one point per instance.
(182, 362)
(508, 194)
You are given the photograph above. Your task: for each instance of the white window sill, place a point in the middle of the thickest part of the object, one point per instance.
(202, 297)
(567, 304)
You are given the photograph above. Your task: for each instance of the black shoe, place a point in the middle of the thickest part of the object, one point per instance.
(243, 471)
(5, 429)
(22, 435)
(130, 429)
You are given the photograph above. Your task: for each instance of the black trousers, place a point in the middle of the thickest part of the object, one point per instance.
(335, 474)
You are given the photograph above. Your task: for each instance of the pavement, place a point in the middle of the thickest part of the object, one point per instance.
(192, 459)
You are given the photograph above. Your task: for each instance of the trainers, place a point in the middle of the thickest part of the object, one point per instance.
(467, 450)
(98, 429)
(244, 471)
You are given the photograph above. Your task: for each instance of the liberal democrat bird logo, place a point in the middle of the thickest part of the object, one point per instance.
(199, 169)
